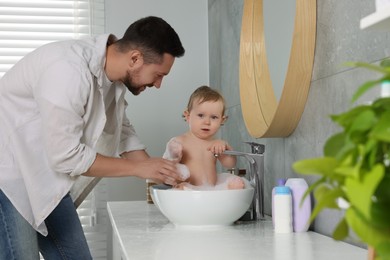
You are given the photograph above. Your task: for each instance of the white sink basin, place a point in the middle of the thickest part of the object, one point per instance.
(202, 208)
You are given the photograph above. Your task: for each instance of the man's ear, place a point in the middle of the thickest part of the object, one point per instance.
(136, 58)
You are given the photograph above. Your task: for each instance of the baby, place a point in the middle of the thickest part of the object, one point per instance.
(197, 150)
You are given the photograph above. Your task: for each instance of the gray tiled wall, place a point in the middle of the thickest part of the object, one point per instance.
(339, 39)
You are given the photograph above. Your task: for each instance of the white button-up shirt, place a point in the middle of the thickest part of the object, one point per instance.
(57, 110)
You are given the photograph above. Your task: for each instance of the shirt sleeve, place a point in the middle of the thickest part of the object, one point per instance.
(129, 138)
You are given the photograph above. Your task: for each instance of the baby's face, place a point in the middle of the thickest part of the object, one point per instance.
(205, 119)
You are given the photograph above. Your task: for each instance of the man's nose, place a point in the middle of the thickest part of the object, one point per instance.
(157, 83)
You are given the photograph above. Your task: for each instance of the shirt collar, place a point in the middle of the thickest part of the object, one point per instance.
(98, 59)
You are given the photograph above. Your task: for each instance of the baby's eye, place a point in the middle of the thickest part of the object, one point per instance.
(214, 117)
(201, 115)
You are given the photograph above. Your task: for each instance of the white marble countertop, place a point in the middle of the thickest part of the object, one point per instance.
(143, 233)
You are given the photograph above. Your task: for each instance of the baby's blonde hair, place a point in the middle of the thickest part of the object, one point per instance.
(204, 94)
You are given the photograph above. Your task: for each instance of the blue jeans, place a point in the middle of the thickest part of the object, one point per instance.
(66, 239)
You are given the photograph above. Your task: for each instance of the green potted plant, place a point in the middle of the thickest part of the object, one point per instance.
(355, 168)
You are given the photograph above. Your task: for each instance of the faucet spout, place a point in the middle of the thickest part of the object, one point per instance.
(256, 179)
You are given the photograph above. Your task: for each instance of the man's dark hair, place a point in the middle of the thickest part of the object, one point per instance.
(153, 37)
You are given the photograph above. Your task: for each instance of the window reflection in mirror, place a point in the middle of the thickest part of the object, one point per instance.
(278, 18)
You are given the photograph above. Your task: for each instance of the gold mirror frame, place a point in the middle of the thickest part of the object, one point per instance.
(264, 116)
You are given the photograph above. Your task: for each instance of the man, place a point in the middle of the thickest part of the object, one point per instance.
(62, 116)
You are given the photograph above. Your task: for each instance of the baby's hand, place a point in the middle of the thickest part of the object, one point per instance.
(217, 147)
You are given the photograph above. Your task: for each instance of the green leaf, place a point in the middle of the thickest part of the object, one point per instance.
(380, 214)
(382, 130)
(311, 188)
(383, 250)
(337, 145)
(385, 63)
(381, 104)
(364, 121)
(382, 68)
(347, 118)
(380, 210)
(326, 198)
(341, 230)
(383, 190)
(374, 237)
(364, 88)
(371, 152)
(360, 191)
(348, 171)
(349, 166)
(322, 191)
(361, 125)
(316, 166)
(370, 66)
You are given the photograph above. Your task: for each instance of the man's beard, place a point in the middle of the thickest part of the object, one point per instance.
(133, 89)
(131, 86)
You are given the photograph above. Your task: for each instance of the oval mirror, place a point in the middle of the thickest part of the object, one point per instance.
(268, 111)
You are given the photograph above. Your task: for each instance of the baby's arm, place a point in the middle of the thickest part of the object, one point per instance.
(217, 147)
(174, 152)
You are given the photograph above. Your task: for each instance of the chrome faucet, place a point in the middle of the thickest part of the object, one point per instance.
(256, 177)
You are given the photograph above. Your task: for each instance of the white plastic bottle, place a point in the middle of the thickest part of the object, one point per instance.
(301, 210)
(281, 182)
(385, 88)
(283, 210)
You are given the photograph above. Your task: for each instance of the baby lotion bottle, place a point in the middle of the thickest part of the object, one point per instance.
(385, 88)
(281, 182)
(283, 210)
(301, 210)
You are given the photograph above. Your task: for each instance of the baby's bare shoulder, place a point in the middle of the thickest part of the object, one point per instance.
(179, 139)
